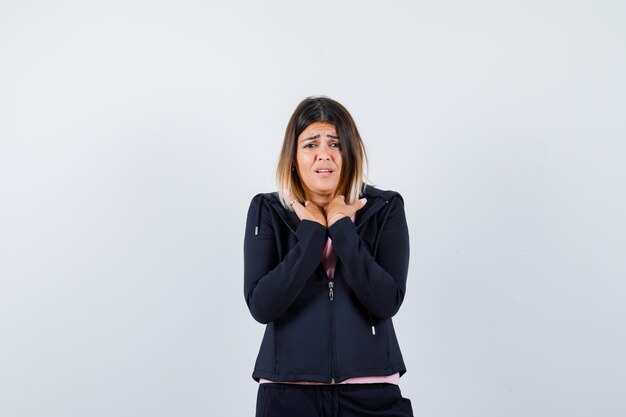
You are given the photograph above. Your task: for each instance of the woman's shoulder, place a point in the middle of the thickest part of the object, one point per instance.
(370, 191)
(265, 199)
(271, 196)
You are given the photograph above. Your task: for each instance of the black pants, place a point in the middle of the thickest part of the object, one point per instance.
(349, 400)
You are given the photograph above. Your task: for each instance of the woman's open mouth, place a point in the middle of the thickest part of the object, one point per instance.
(324, 171)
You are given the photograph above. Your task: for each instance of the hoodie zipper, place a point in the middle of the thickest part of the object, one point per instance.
(331, 298)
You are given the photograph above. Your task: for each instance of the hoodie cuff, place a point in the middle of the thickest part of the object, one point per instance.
(342, 227)
(309, 230)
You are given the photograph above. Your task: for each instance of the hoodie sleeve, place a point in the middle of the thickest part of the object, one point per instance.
(379, 280)
(271, 285)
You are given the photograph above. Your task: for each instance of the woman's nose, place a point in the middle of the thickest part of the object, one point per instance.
(323, 153)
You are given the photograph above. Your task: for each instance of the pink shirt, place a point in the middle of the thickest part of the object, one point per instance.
(329, 260)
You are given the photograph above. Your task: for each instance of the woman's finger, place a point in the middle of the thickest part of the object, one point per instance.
(294, 203)
(360, 203)
(340, 205)
(289, 198)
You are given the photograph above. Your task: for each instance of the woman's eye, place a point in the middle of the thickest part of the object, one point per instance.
(314, 145)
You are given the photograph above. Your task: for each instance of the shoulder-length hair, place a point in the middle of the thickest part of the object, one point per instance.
(353, 156)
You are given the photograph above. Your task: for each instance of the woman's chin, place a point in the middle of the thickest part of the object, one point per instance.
(325, 191)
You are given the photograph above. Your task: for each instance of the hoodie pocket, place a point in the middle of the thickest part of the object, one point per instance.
(361, 341)
(302, 335)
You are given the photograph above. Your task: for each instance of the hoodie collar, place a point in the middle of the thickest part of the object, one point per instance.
(376, 200)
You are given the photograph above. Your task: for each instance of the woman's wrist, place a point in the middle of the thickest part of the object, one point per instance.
(332, 219)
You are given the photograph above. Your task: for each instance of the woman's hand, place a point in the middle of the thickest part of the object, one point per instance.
(338, 209)
(308, 211)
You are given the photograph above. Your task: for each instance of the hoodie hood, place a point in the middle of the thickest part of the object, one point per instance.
(376, 200)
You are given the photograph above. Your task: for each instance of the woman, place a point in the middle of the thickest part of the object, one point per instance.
(325, 267)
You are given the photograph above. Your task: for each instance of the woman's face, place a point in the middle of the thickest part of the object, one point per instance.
(318, 159)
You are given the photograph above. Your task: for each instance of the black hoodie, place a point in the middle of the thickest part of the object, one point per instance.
(312, 335)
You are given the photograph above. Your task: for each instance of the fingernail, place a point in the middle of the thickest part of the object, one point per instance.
(285, 191)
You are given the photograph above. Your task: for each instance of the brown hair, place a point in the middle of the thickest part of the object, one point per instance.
(353, 157)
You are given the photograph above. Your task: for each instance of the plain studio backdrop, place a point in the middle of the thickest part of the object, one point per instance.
(134, 134)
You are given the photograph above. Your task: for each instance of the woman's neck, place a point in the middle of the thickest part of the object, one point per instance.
(322, 200)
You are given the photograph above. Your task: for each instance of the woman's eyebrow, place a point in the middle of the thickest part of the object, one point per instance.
(318, 136)
(312, 138)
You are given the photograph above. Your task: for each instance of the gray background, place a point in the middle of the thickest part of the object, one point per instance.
(133, 135)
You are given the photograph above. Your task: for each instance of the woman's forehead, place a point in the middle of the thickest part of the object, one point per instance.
(319, 127)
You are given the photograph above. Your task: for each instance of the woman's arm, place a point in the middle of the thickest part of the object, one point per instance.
(379, 283)
(270, 286)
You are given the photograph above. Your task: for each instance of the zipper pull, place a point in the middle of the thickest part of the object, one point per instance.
(373, 330)
(331, 293)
